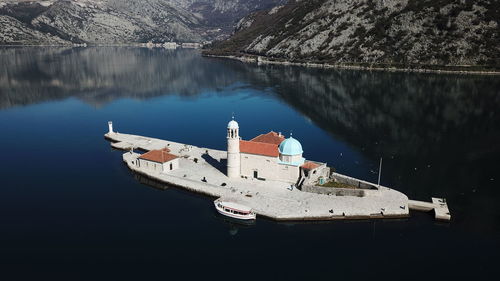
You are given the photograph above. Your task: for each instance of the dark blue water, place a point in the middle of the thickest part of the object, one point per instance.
(70, 209)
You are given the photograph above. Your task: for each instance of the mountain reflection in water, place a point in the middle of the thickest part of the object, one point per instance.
(100, 75)
(439, 135)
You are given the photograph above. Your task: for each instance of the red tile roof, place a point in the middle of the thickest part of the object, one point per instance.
(309, 165)
(160, 155)
(271, 137)
(259, 148)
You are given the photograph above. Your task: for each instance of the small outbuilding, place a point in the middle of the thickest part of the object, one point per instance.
(160, 160)
(314, 172)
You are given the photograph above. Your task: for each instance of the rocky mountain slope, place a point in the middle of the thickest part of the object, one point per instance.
(225, 13)
(115, 21)
(16, 32)
(365, 32)
(122, 21)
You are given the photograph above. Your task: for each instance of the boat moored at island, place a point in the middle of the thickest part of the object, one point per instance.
(234, 210)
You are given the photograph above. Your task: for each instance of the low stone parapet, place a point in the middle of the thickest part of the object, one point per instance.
(352, 181)
(335, 191)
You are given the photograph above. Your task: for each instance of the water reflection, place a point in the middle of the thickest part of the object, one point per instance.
(150, 182)
(100, 75)
(234, 225)
(438, 134)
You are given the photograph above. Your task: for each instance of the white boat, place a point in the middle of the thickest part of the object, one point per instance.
(234, 210)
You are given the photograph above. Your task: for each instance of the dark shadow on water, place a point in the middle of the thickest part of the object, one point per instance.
(151, 182)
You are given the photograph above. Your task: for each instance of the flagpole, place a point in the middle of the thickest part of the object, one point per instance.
(379, 171)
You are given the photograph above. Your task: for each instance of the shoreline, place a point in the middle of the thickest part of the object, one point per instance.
(268, 217)
(84, 45)
(262, 60)
(271, 199)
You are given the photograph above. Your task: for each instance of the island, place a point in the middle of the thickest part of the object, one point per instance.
(269, 174)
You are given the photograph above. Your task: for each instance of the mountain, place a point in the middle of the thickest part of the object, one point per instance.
(365, 32)
(225, 13)
(109, 21)
(122, 21)
(16, 32)
(115, 21)
(15, 24)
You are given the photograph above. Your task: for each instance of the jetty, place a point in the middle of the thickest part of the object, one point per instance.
(438, 205)
(203, 170)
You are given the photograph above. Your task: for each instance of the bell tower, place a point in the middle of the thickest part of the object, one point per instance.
(233, 149)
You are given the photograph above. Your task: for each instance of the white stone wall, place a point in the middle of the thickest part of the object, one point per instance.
(264, 165)
(296, 158)
(175, 165)
(287, 173)
(285, 158)
(291, 158)
(158, 167)
(267, 168)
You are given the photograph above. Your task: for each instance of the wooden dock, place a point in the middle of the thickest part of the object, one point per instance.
(439, 206)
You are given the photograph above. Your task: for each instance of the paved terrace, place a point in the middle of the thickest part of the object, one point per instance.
(271, 199)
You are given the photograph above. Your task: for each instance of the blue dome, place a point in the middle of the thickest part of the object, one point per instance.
(290, 146)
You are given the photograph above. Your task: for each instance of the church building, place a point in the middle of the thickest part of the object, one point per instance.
(269, 156)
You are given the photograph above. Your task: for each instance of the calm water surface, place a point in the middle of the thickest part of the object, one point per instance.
(70, 209)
